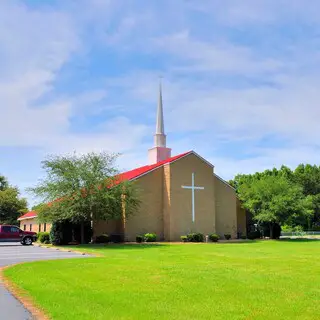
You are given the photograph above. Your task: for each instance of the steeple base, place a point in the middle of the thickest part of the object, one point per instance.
(158, 154)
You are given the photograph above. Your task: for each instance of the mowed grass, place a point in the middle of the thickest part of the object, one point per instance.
(255, 280)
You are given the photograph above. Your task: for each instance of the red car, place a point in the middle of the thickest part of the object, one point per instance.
(14, 234)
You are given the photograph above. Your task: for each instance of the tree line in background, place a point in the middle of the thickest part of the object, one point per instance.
(282, 197)
(11, 204)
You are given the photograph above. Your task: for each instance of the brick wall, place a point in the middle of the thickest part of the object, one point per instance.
(33, 225)
(226, 209)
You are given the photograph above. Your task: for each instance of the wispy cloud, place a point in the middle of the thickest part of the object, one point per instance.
(240, 84)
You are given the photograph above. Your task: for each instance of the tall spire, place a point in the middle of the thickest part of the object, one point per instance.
(160, 151)
(160, 123)
(160, 137)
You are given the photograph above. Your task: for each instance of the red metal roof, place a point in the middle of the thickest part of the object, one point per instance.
(135, 173)
(128, 175)
(28, 215)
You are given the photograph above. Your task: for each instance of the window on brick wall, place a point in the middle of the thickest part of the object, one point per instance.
(44, 227)
(39, 227)
(24, 227)
(30, 227)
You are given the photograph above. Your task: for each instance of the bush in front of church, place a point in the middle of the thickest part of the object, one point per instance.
(139, 238)
(184, 238)
(103, 238)
(44, 237)
(214, 237)
(150, 237)
(195, 237)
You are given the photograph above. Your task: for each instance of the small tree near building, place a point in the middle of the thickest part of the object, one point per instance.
(84, 188)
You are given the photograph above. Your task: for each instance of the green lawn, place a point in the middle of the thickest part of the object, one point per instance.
(256, 280)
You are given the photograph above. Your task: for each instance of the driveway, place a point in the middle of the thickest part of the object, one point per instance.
(12, 309)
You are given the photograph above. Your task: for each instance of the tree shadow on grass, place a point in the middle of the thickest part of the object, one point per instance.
(119, 246)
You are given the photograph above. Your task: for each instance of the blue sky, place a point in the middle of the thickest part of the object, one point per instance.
(240, 82)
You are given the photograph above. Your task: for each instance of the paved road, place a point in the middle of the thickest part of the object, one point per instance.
(12, 309)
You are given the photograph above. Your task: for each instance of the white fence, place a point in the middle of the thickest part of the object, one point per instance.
(305, 234)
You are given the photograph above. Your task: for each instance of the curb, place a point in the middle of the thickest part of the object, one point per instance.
(22, 296)
(68, 250)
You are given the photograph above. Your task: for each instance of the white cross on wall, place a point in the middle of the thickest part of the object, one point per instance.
(193, 188)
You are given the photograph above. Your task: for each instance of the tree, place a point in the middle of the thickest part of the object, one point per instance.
(3, 183)
(273, 199)
(84, 188)
(11, 205)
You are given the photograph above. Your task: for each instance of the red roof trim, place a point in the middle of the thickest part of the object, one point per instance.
(136, 173)
(28, 215)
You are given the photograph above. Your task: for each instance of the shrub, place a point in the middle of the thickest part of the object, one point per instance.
(214, 237)
(286, 228)
(316, 227)
(253, 235)
(44, 237)
(150, 237)
(103, 238)
(116, 238)
(184, 238)
(195, 237)
(139, 238)
(227, 236)
(38, 236)
(243, 237)
(297, 229)
(56, 234)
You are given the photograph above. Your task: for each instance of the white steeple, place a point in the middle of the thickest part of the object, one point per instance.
(160, 151)
(160, 137)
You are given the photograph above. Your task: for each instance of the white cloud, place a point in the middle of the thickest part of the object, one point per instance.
(36, 44)
(208, 57)
(218, 89)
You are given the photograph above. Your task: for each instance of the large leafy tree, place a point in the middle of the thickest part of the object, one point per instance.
(308, 177)
(84, 188)
(272, 198)
(11, 204)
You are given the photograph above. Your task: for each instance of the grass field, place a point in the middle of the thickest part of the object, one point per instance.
(256, 280)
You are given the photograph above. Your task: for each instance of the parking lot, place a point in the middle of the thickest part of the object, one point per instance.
(15, 253)
(11, 253)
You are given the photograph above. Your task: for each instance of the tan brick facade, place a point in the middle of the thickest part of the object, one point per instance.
(150, 217)
(226, 208)
(180, 210)
(166, 207)
(34, 226)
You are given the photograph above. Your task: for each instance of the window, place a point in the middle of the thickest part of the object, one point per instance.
(24, 227)
(14, 230)
(44, 227)
(39, 227)
(9, 229)
(30, 227)
(6, 229)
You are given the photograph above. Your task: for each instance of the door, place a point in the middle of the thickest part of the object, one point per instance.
(6, 234)
(15, 233)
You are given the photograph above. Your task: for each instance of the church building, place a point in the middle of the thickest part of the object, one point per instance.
(179, 194)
